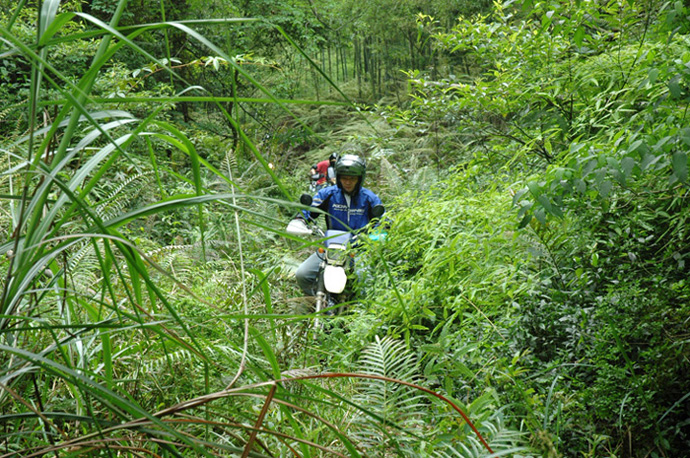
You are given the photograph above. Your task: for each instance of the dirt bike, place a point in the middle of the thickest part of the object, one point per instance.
(313, 187)
(336, 259)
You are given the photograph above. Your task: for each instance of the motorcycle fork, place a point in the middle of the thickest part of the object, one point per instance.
(321, 294)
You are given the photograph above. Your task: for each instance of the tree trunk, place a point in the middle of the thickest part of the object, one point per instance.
(315, 77)
(338, 63)
(323, 60)
(330, 66)
(358, 65)
(413, 55)
(373, 67)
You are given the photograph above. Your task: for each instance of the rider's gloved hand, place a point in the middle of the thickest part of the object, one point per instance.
(300, 216)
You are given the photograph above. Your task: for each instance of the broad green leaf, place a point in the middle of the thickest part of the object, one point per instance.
(685, 135)
(540, 215)
(524, 208)
(575, 147)
(525, 221)
(618, 137)
(518, 195)
(648, 160)
(556, 210)
(633, 147)
(589, 167)
(652, 75)
(679, 7)
(612, 162)
(546, 203)
(579, 35)
(618, 176)
(580, 185)
(605, 188)
(545, 22)
(627, 166)
(674, 88)
(680, 165)
(534, 188)
(670, 17)
(658, 146)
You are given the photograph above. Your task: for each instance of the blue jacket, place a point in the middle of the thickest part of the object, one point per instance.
(339, 215)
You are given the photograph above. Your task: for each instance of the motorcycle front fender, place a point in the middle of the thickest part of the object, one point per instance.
(334, 279)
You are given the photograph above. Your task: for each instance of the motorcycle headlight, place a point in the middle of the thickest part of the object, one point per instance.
(336, 256)
(334, 279)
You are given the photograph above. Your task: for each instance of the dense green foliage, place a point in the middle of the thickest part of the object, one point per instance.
(532, 295)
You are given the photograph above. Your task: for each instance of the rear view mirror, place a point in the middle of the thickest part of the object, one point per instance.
(305, 199)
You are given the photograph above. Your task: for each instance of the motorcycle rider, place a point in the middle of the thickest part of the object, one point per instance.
(314, 177)
(330, 174)
(348, 207)
(326, 171)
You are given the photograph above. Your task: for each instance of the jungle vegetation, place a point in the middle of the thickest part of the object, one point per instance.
(531, 298)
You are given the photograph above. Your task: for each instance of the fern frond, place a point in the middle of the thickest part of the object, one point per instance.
(179, 259)
(391, 177)
(232, 164)
(504, 441)
(115, 201)
(389, 358)
(156, 365)
(83, 267)
(393, 408)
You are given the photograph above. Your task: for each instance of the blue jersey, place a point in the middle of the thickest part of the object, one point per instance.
(341, 215)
